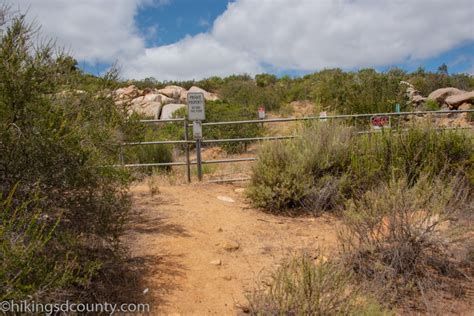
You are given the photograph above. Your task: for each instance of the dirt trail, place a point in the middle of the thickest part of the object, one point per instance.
(185, 228)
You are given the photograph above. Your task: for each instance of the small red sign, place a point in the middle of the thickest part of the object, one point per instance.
(380, 121)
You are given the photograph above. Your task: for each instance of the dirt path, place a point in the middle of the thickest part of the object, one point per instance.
(207, 252)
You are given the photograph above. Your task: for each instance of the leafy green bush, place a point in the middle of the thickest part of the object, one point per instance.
(57, 143)
(144, 154)
(26, 265)
(431, 105)
(301, 286)
(247, 94)
(287, 172)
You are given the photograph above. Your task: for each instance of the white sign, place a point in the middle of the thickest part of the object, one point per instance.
(197, 129)
(196, 106)
(322, 116)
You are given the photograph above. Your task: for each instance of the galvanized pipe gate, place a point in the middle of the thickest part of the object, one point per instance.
(200, 141)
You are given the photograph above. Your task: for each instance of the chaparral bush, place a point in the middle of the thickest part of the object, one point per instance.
(330, 163)
(60, 225)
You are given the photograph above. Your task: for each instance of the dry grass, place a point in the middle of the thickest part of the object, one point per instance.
(397, 237)
(304, 286)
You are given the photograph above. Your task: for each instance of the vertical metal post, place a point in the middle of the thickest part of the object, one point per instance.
(188, 163)
(198, 158)
(121, 155)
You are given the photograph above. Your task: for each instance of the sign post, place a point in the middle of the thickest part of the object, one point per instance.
(188, 162)
(397, 108)
(261, 116)
(197, 114)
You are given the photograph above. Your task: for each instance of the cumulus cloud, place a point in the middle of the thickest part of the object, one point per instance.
(308, 34)
(282, 34)
(195, 57)
(93, 31)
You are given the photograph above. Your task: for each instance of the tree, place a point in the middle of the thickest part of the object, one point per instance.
(443, 69)
(264, 80)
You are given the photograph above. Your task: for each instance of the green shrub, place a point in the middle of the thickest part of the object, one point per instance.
(247, 94)
(144, 154)
(287, 173)
(431, 105)
(280, 179)
(331, 163)
(26, 265)
(220, 112)
(301, 286)
(57, 144)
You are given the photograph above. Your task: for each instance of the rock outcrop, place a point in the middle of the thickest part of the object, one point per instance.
(160, 104)
(207, 95)
(447, 98)
(414, 96)
(440, 95)
(169, 109)
(454, 101)
(172, 92)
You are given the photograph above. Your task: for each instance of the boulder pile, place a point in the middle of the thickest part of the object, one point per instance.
(447, 98)
(157, 103)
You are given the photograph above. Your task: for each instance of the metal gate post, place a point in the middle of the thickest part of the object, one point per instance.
(188, 163)
(122, 162)
(198, 158)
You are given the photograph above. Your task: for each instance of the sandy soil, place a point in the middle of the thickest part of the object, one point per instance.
(191, 236)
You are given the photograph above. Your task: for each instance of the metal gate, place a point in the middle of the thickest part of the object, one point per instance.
(199, 162)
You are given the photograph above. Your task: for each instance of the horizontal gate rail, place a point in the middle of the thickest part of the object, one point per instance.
(250, 139)
(229, 160)
(228, 180)
(159, 142)
(342, 116)
(158, 164)
(175, 120)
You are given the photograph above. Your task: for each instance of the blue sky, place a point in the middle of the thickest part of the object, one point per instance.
(194, 39)
(171, 22)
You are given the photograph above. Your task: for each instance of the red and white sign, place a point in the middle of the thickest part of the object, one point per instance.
(261, 112)
(380, 121)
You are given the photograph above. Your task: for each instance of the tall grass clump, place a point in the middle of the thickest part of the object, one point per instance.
(397, 237)
(331, 163)
(302, 286)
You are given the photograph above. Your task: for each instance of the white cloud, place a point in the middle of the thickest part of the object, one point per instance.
(309, 34)
(191, 58)
(284, 34)
(93, 31)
